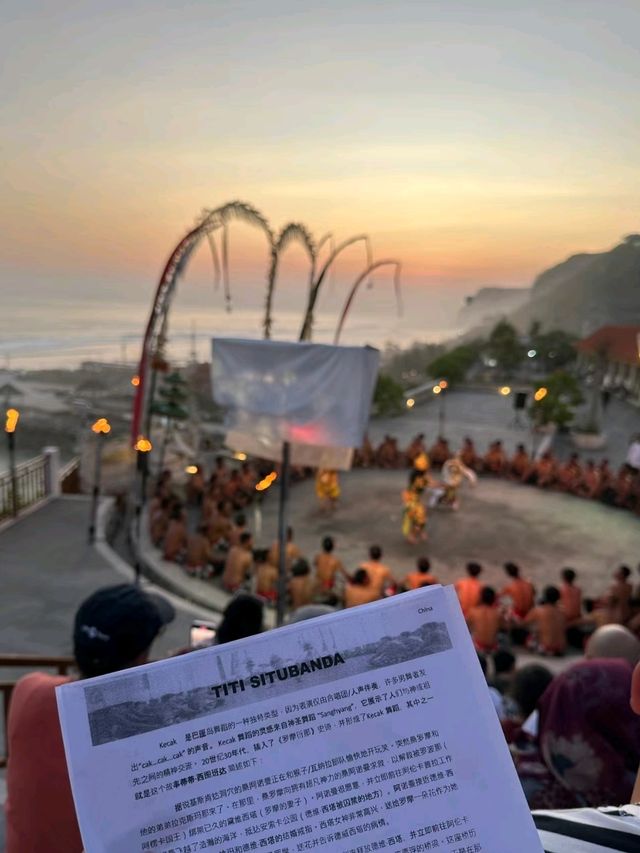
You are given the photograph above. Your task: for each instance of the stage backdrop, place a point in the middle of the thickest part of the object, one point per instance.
(316, 397)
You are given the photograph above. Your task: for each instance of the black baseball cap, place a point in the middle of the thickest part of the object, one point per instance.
(115, 625)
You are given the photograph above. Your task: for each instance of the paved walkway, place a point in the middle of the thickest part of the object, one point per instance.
(47, 568)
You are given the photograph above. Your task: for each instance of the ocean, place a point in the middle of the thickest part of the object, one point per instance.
(37, 336)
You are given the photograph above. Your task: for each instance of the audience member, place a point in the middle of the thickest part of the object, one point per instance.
(613, 641)
(588, 739)
(113, 630)
(528, 685)
(243, 617)
(504, 667)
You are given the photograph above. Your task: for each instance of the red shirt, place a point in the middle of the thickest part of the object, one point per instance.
(40, 812)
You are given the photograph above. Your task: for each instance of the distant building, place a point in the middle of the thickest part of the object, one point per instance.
(619, 349)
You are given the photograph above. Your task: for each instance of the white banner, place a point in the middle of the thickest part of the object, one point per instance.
(302, 455)
(370, 729)
(306, 394)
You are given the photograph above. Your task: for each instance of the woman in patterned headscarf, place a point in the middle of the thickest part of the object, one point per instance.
(588, 743)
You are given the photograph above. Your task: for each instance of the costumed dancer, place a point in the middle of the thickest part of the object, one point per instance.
(414, 517)
(454, 471)
(327, 488)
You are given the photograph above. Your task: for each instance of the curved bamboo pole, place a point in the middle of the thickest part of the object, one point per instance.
(358, 282)
(307, 324)
(290, 232)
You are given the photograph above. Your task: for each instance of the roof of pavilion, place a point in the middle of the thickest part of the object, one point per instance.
(616, 343)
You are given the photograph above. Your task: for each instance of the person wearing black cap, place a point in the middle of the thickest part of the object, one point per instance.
(113, 630)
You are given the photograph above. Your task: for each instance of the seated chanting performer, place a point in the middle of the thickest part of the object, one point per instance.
(549, 625)
(388, 455)
(569, 474)
(421, 576)
(519, 590)
(327, 566)
(495, 460)
(469, 588)
(485, 620)
(519, 464)
(468, 455)
(440, 452)
(415, 449)
(360, 589)
(590, 483)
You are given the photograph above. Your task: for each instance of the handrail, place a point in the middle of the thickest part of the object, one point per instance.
(29, 485)
(69, 468)
(61, 663)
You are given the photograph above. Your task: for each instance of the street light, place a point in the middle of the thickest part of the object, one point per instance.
(540, 394)
(135, 381)
(11, 422)
(143, 445)
(441, 390)
(100, 428)
(505, 390)
(410, 403)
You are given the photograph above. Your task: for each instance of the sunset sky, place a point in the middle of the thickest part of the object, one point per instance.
(477, 141)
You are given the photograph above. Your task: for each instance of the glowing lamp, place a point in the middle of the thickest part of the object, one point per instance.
(143, 444)
(443, 384)
(540, 394)
(191, 469)
(263, 485)
(505, 390)
(135, 381)
(532, 353)
(101, 427)
(240, 456)
(12, 420)
(410, 403)
(437, 389)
